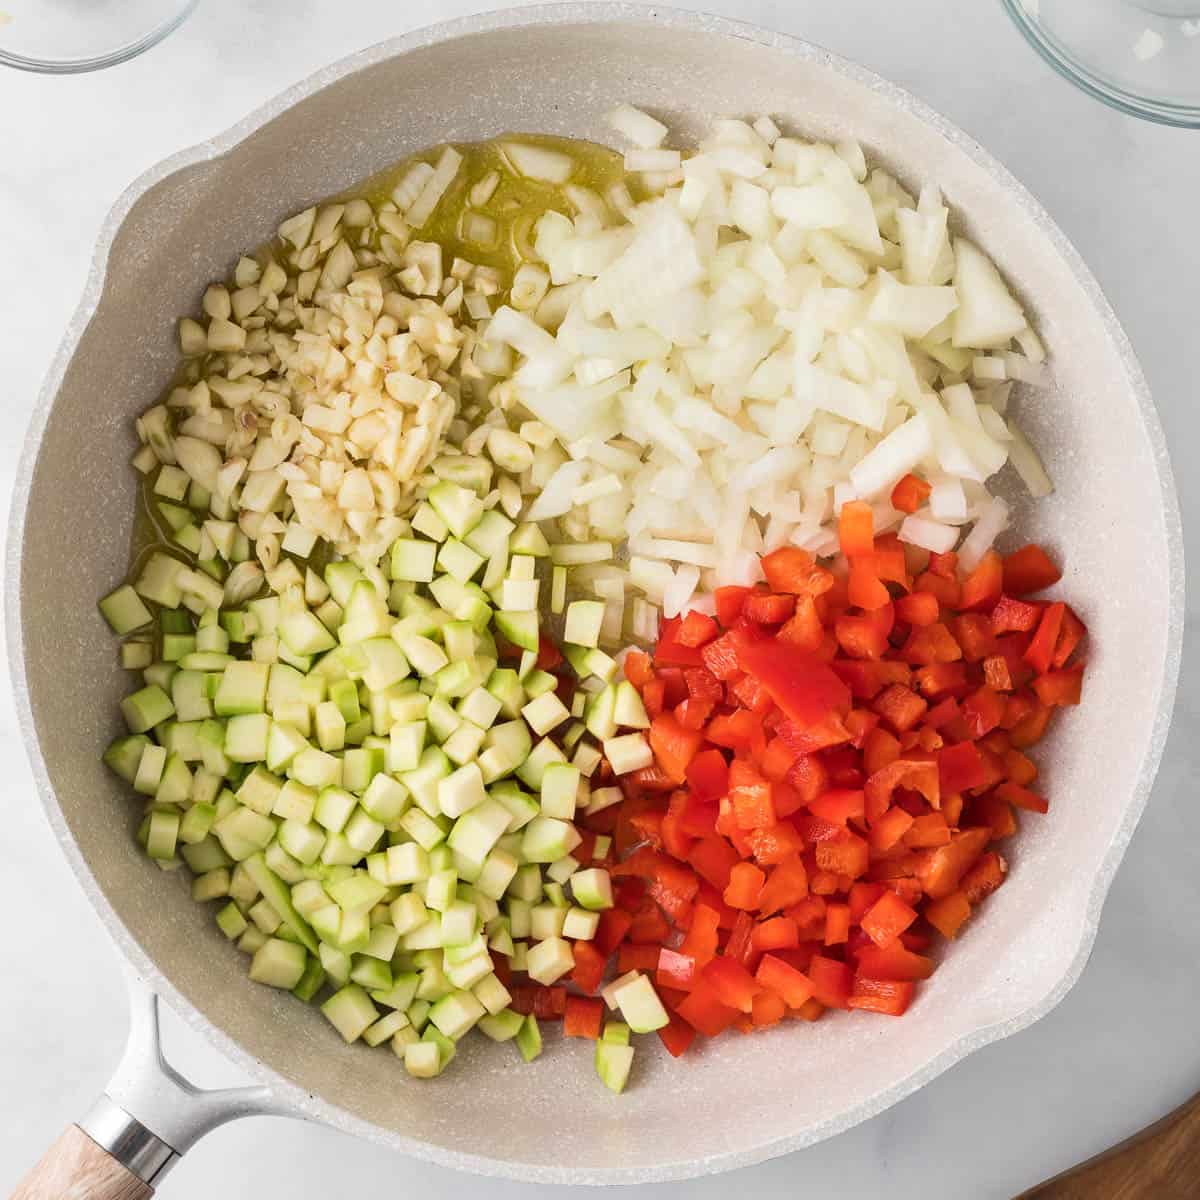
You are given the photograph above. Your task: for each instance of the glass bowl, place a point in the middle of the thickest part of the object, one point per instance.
(1142, 57)
(65, 37)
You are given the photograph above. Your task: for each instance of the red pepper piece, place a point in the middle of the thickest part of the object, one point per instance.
(583, 1017)
(981, 589)
(790, 569)
(696, 629)
(832, 981)
(948, 914)
(705, 1013)
(1062, 688)
(910, 493)
(731, 983)
(856, 529)
(1040, 653)
(893, 962)
(889, 997)
(677, 1035)
(1029, 570)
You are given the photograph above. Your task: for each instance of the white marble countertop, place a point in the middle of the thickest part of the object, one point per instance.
(1120, 1051)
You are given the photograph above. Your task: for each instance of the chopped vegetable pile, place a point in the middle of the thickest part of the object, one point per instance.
(835, 758)
(408, 521)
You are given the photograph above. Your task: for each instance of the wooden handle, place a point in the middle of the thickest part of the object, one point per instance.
(75, 1168)
(1160, 1163)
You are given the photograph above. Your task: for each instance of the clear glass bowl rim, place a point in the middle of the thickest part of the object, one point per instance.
(1184, 116)
(97, 62)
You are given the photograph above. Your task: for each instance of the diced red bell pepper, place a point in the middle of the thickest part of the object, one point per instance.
(893, 962)
(983, 710)
(945, 565)
(1040, 653)
(917, 608)
(807, 690)
(974, 633)
(611, 932)
(981, 589)
(890, 828)
(942, 868)
(804, 630)
(837, 924)
(941, 679)
(740, 730)
(1032, 727)
(731, 983)
(702, 684)
(674, 746)
(847, 854)
(700, 942)
(708, 774)
(677, 1035)
(862, 636)
(654, 697)
(840, 805)
(960, 767)
(790, 569)
(729, 604)
(948, 914)
(776, 933)
(745, 886)
(695, 629)
(1029, 570)
(1061, 688)
(887, 919)
(821, 736)
(583, 1017)
(1021, 797)
(693, 714)
(713, 858)
(930, 644)
(669, 651)
(1015, 616)
(768, 608)
(777, 976)
(900, 707)
(889, 997)
(1072, 633)
(676, 970)
(705, 1013)
(856, 529)
(910, 773)
(751, 694)
(832, 981)
(740, 945)
(638, 668)
(945, 588)
(720, 657)
(910, 493)
(786, 885)
(866, 589)
(984, 877)
(549, 1003)
(809, 777)
(589, 967)
(996, 673)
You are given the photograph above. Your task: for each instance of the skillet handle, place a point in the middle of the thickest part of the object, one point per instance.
(77, 1168)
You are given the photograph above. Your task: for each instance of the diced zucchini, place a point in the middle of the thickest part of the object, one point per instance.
(560, 784)
(630, 752)
(520, 628)
(146, 708)
(613, 1064)
(529, 1038)
(278, 964)
(583, 621)
(640, 1005)
(124, 611)
(351, 1012)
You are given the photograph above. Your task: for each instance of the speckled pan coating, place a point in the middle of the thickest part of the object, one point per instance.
(558, 69)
